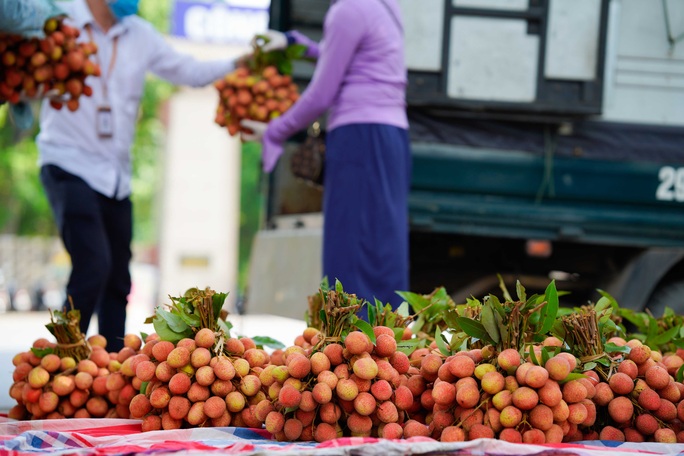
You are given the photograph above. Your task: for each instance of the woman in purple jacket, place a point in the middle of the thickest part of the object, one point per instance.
(360, 79)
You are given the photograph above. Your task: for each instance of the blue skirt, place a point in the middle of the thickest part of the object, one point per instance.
(365, 207)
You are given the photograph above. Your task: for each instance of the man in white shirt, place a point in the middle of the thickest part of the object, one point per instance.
(85, 156)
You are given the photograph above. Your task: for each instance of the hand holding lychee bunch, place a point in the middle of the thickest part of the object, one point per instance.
(55, 66)
(261, 90)
(261, 97)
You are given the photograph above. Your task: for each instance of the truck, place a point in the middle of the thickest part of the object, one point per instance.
(548, 144)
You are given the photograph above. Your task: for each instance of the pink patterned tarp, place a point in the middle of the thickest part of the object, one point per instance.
(118, 437)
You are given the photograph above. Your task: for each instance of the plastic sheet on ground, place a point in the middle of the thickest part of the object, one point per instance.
(116, 436)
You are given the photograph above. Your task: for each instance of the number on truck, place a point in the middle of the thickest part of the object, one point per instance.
(671, 186)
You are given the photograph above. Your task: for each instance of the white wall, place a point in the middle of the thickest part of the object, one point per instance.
(200, 210)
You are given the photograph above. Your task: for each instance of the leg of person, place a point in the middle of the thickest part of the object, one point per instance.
(366, 211)
(77, 214)
(118, 218)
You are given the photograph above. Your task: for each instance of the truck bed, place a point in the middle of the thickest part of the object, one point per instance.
(479, 178)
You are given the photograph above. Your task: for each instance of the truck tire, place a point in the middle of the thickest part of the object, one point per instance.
(669, 295)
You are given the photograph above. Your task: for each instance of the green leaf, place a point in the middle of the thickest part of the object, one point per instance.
(532, 355)
(496, 304)
(545, 355)
(398, 334)
(161, 327)
(666, 337)
(610, 298)
(323, 317)
(366, 329)
(652, 329)
(551, 308)
(40, 352)
(295, 51)
(457, 341)
(404, 310)
(269, 342)
(638, 319)
(602, 304)
(520, 291)
(573, 376)
(217, 303)
(174, 322)
(409, 346)
(503, 327)
(325, 285)
(144, 336)
(589, 366)
(489, 322)
(558, 330)
(533, 320)
(473, 328)
(680, 374)
(416, 301)
(143, 387)
(639, 337)
(603, 362)
(189, 319)
(608, 326)
(502, 285)
(679, 342)
(612, 348)
(417, 326)
(285, 67)
(223, 325)
(563, 311)
(441, 343)
(451, 318)
(372, 312)
(338, 286)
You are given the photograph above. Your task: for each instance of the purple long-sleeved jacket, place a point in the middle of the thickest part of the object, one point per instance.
(360, 76)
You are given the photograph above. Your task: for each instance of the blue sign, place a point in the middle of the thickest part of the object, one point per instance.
(220, 21)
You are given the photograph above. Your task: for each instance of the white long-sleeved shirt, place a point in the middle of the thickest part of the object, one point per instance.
(70, 139)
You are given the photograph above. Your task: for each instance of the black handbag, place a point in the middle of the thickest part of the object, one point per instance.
(307, 162)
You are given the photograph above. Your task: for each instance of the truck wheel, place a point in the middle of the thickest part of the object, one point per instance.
(669, 295)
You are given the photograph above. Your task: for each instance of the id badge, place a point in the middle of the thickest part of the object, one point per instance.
(105, 125)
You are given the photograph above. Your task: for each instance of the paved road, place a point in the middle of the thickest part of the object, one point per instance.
(18, 330)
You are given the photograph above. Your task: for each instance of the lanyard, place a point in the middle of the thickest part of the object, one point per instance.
(104, 79)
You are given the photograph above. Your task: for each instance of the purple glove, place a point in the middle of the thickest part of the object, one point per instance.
(270, 153)
(270, 150)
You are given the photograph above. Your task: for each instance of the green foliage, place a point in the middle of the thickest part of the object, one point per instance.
(265, 341)
(337, 315)
(251, 204)
(511, 324)
(380, 314)
(24, 208)
(157, 12)
(665, 333)
(365, 328)
(409, 346)
(189, 313)
(281, 59)
(430, 310)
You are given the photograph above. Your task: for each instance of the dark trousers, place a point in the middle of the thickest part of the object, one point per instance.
(365, 207)
(97, 232)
